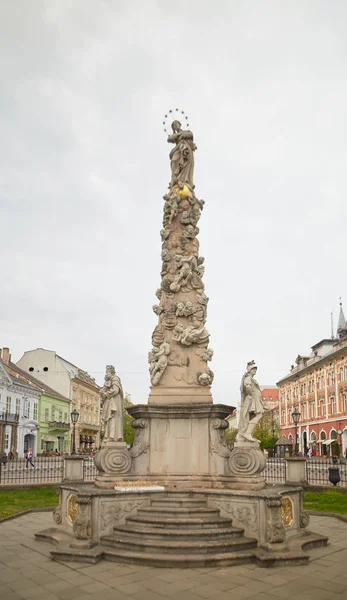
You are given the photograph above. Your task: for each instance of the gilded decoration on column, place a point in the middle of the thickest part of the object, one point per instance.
(287, 511)
(72, 508)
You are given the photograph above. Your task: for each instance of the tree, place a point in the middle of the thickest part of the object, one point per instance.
(230, 435)
(267, 431)
(129, 432)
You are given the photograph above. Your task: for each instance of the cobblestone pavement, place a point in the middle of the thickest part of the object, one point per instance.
(26, 571)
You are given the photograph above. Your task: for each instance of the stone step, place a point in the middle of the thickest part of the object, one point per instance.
(187, 512)
(181, 561)
(175, 503)
(180, 522)
(155, 533)
(216, 546)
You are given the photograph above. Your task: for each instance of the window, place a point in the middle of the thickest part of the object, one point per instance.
(333, 405)
(341, 374)
(344, 400)
(53, 413)
(322, 408)
(46, 415)
(7, 442)
(303, 410)
(35, 412)
(8, 404)
(60, 415)
(65, 417)
(17, 406)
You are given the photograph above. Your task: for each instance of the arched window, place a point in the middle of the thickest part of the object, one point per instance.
(323, 435)
(313, 436)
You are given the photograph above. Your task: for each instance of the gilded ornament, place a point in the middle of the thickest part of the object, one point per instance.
(72, 509)
(287, 511)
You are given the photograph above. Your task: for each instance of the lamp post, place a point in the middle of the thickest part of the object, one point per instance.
(74, 418)
(296, 419)
(340, 432)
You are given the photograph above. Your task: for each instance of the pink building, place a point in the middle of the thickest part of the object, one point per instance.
(317, 387)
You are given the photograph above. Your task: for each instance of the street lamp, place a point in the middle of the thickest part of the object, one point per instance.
(296, 418)
(74, 418)
(340, 432)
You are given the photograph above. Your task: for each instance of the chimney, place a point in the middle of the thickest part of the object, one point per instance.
(6, 355)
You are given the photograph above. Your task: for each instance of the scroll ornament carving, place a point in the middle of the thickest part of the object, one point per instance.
(82, 527)
(57, 513)
(246, 462)
(111, 514)
(218, 442)
(275, 531)
(113, 460)
(304, 519)
(141, 443)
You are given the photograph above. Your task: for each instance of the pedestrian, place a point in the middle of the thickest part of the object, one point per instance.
(4, 459)
(309, 453)
(29, 458)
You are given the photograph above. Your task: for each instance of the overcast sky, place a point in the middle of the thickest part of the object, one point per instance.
(84, 164)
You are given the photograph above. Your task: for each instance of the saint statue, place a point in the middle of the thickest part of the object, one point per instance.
(112, 401)
(181, 156)
(252, 407)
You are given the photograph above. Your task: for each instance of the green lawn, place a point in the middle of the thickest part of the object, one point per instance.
(328, 501)
(14, 501)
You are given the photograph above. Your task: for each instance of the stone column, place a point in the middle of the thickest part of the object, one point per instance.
(180, 444)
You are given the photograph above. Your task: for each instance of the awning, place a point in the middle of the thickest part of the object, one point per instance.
(49, 438)
(328, 441)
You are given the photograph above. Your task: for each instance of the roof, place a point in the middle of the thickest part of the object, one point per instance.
(24, 376)
(342, 321)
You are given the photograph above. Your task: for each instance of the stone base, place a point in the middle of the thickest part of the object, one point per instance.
(180, 441)
(146, 527)
(113, 462)
(180, 395)
(246, 464)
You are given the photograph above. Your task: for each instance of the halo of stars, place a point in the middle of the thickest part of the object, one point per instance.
(176, 115)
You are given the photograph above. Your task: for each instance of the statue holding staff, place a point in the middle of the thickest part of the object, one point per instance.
(112, 400)
(252, 407)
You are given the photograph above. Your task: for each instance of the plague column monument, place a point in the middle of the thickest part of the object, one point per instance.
(167, 500)
(183, 430)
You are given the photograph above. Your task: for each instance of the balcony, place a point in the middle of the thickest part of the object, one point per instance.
(9, 418)
(58, 425)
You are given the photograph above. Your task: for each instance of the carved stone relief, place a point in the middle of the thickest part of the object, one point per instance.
(245, 515)
(218, 442)
(72, 508)
(141, 443)
(111, 514)
(287, 511)
(275, 531)
(82, 527)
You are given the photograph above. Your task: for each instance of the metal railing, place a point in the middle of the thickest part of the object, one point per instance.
(41, 469)
(89, 469)
(317, 471)
(275, 470)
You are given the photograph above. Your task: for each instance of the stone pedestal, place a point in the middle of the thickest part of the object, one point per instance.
(113, 461)
(246, 464)
(183, 445)
(73, 469)
(296, 470)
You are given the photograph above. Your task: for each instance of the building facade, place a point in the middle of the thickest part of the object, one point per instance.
(73, 383)
(19, 408)
(317, 387)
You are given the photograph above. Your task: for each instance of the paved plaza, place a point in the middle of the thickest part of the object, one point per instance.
(26, 571)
